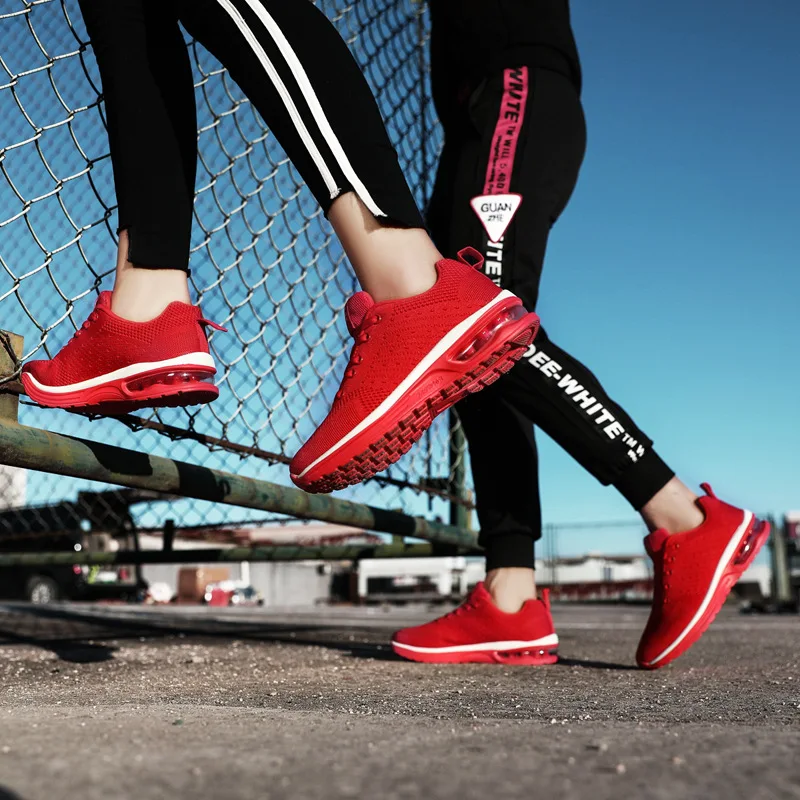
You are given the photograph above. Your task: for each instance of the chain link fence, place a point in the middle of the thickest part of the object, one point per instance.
(265, 262)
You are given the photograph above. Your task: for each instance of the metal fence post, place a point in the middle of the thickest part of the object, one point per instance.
(169, 535)
(11, 349)
(459, 515)
(423, 101)
(781, 580)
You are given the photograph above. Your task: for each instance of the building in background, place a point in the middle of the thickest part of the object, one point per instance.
(279, 583)
(594, 577)
(591, 578)
(13, 485)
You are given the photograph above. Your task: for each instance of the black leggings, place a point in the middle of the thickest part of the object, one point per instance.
(522, 132)
(292, 64)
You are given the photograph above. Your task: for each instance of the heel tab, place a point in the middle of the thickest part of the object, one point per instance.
(471, 257)
(706, 487)
(545, 598)
(209, 324)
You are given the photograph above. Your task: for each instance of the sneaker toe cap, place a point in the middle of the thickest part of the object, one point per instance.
(41, 370)
(645, 654)
(655, 639)
(404, 636)
(302, 459)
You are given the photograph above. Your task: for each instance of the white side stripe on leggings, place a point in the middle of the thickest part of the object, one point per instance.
(262, 56)
(313, 103)
(310, 97)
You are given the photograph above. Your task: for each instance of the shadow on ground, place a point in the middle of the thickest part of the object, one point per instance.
(82, 636)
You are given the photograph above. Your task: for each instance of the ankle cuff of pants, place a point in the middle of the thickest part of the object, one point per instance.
(509, 550)
(644, 479)
(154, 250)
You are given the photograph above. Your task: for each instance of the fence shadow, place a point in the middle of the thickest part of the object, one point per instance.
(84, 636)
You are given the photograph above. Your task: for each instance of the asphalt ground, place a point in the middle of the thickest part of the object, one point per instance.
(126, 702)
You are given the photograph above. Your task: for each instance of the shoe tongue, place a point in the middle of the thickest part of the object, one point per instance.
(356, 309)
(104, 300)
(480, 592)
(654, 543)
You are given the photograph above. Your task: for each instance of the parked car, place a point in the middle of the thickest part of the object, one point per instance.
(50, 583)
(41, 584)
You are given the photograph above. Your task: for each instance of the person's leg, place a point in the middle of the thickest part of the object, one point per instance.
(427, 330)
(565, 399)
(144, 344)
(502, 621)
(508, 505)
(501, 441)
(699, 546)
(152, 130)
(536, 157)
(672, 508)
(299, 73)
(147, 81)
(579, 415)
(390, 262)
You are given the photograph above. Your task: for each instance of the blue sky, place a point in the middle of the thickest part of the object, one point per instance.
(681, 238)
(684, 241)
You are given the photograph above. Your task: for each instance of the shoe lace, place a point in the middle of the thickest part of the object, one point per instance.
(466, 606)
(88, 322)
(362, 336)
(666, 574)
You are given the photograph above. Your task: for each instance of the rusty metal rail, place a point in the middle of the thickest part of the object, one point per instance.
(346, 552)
(31, 448)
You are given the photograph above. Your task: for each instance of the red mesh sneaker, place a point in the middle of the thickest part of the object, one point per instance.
(693, 574)
(412, 359)
(478, 631)
(113, 366)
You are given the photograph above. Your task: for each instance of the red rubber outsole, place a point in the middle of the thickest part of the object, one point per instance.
(507, 658)
(401, 437)
(148, 390)
(754, 540)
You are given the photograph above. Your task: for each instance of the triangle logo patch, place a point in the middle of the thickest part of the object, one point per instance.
(495, 211)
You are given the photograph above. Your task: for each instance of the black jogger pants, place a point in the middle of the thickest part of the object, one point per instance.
(292, 64)
(512, 152)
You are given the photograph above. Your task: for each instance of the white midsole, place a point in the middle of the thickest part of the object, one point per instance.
(186, 361)
(730, 549)
(438, 350)
(551, 640)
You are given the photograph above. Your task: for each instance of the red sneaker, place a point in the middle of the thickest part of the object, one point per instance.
(693, 574)
(113, 366)
(412, 359)
(478, 631)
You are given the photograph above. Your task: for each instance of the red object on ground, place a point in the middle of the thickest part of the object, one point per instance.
(220, 597)
(113, 366)
(478, 631)
(412, 359)
(693, 574)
